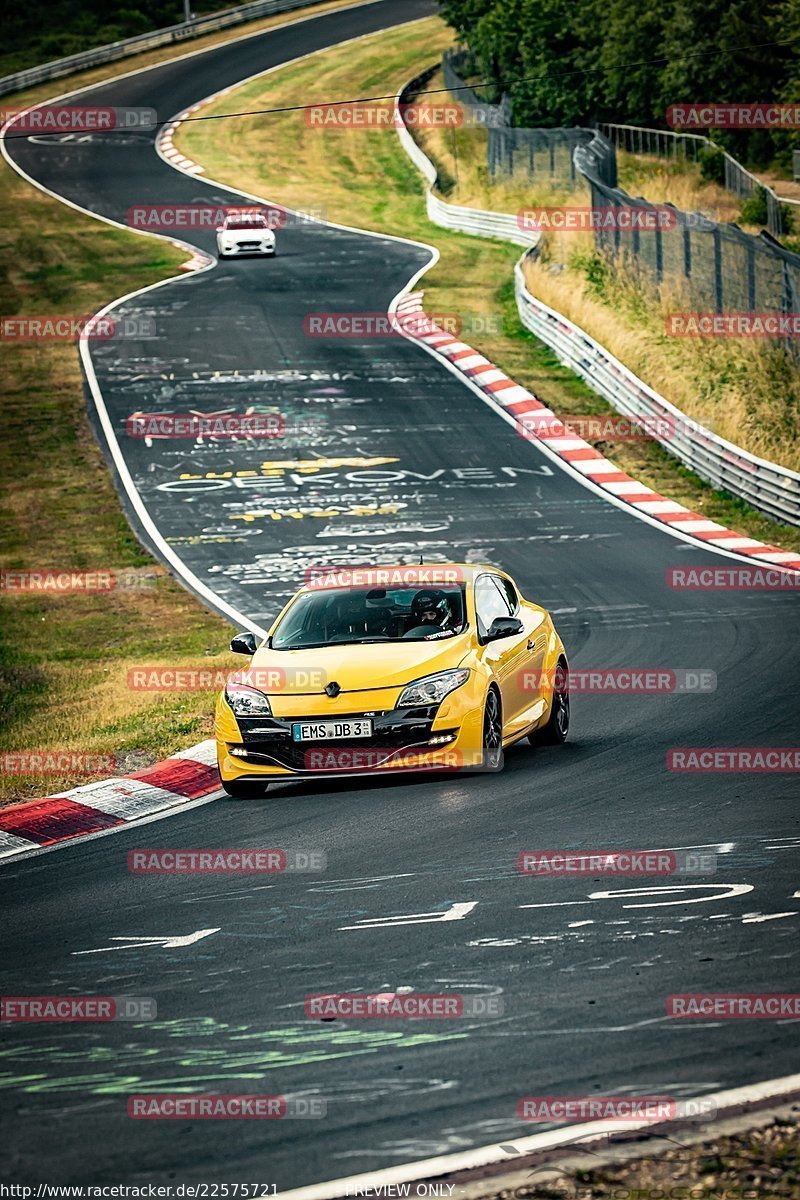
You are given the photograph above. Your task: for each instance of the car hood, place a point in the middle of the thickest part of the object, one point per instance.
(355, 668)
(247, 235)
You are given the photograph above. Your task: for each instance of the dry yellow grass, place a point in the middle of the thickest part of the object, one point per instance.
(364, 178)
(676, 183)
(345, 158)
(746, 390)
(460, 154)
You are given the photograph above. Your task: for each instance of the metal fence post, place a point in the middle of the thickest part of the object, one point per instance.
(718, 288)
(751, 277)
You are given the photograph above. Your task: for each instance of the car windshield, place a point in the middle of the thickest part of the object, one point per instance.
(246, 223)
(342, 616)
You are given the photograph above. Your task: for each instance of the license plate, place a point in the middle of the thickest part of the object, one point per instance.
(330, 731)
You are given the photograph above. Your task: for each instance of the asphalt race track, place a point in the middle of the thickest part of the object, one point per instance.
(418, 462)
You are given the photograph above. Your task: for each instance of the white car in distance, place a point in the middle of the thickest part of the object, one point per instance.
(245, 233)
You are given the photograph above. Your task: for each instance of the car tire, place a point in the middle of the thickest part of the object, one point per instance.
(243, 789)
(556, 731)
(492, 745)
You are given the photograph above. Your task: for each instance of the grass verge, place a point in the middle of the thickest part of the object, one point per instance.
(65, 658)
(747, 390)
(758, 1165)
(362, 177)
(150, 58)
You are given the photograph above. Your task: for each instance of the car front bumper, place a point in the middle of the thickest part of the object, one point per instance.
(407, 739)
(244, 248)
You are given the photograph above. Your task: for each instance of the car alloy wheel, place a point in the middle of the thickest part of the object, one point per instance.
(554, 733)
(492, 732)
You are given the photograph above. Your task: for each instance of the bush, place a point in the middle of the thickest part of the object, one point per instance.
(712, 164)
(754, 210)
(595, 267)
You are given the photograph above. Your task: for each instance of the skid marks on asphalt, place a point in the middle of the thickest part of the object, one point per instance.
(194, 1054)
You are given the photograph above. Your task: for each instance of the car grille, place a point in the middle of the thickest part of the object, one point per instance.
(394, 731)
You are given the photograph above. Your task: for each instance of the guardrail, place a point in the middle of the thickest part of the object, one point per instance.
(768, 487)
(146, 41)
(476, 221)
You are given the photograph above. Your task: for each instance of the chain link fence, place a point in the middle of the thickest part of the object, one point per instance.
(541, 154)
(771, 488)
(689, 147)
(715, 267)
(720, 268)
(454, 64)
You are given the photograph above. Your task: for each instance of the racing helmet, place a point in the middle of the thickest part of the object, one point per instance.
(430, 600)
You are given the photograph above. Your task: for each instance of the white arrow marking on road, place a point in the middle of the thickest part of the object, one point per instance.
(456, 912)
(756, 918)
(166, 943)
(722, 891)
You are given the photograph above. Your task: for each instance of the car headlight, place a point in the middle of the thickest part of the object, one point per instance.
(246, 701)
(432, 689)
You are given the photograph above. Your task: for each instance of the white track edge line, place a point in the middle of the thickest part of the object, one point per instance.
(404, 292)
(485, 1154)
(445, 1164)
(194, 584)
(240, 37)
(409, 287)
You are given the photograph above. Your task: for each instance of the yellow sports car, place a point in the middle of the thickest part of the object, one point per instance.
(380, 669)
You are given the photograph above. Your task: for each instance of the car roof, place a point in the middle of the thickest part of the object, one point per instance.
(467, 572)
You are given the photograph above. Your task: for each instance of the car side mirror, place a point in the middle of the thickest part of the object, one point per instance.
(503, 627)
(244, 643)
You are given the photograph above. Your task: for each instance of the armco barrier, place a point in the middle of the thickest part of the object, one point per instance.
(146, 41)
(453, 216)
(768, 487)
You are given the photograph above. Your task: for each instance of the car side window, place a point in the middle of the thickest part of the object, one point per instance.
(509, 591)
(490, 602)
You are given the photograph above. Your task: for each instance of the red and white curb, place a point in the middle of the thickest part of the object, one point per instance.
(168, 151)
(166, 148)
(518, 403)
(95, 807)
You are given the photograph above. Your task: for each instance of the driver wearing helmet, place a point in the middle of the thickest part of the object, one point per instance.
(430, 612)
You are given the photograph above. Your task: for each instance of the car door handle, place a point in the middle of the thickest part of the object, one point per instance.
(531, 644)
